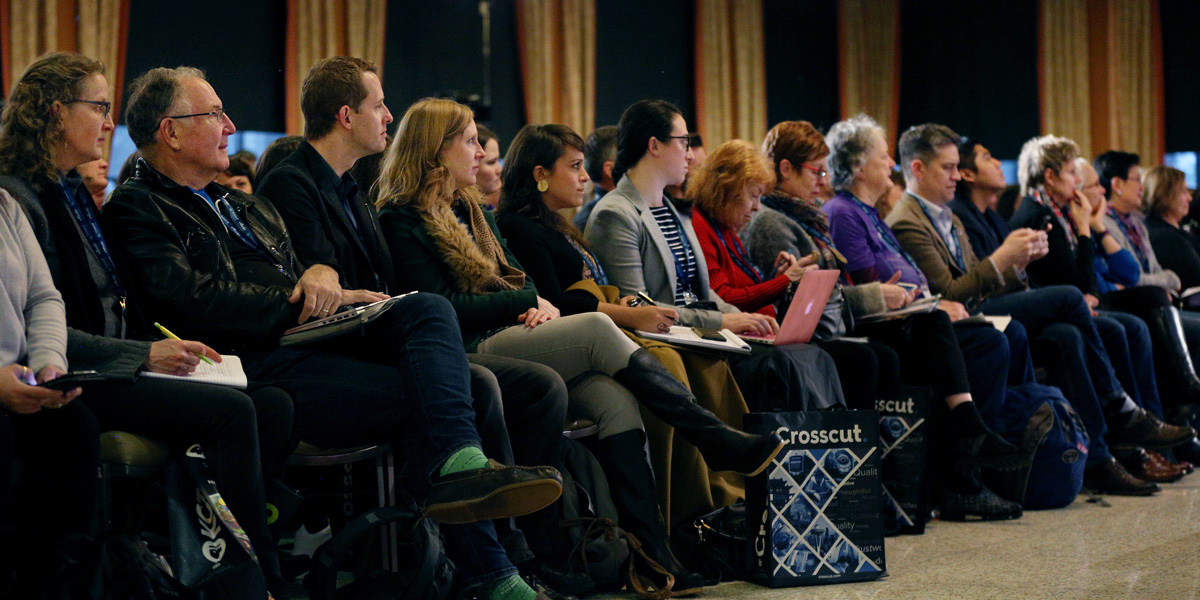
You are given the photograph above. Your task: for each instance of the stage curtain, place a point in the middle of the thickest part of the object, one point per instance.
(869, 61)
(98, 29)
(320, 29)
(1134, 121)
(731, 79)
(557, 45)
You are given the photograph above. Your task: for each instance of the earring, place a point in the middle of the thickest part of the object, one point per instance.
(543, 185)
(1118, 192)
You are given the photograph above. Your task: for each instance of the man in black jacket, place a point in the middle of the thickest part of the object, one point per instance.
(332, 224)
(219, 265)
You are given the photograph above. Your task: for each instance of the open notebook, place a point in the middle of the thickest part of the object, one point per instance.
(228, 372)
(684, 336)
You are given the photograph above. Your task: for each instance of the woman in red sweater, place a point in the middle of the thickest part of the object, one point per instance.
(726, 192)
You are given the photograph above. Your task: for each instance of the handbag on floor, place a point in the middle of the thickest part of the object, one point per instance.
(903, 441)
(816, 514)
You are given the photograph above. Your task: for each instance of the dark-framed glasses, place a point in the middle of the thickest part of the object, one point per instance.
(685, 139)
(104, 105)
(219, 114)
(818, 170)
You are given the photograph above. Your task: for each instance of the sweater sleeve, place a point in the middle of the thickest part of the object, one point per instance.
(44, 311)
(723, 280)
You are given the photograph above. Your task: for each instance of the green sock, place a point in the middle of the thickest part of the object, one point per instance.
(513, 588)
(464, 460)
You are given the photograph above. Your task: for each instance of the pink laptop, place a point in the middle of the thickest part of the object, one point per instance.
(804, 312)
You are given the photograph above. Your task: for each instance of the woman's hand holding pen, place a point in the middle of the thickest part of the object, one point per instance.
(178, 357)
(654, 318)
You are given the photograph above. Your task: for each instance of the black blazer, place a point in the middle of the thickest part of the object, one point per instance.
(549, 259)
(303, 188)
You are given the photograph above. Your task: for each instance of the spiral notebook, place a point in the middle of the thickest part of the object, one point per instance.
(228, 372)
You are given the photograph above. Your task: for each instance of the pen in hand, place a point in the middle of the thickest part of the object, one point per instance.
(168, 333)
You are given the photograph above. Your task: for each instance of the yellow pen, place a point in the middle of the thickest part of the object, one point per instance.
(167, 332)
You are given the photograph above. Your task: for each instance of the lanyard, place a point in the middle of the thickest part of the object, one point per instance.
(86, 218)
(592, 264)
(235, 225)
(958, 253)
(888, 238)
(683, 272)
(738, 254)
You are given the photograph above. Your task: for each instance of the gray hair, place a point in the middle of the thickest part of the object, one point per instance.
(151, 97)
(1041, 153)
(1080, 164)
(849, 141)
(923, 142)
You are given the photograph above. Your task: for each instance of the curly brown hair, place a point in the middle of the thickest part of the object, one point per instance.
(29, 128)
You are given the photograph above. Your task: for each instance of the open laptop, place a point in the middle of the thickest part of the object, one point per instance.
(805, 310)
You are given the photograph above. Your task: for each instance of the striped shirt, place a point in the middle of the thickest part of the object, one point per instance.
(685, 258)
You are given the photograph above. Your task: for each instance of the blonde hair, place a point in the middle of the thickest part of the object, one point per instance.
(717, 185)
(1041, 153)
(1162, 185)
(412, 171)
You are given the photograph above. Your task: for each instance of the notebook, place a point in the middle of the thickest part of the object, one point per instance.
(805, 310)
(684, 336)
(338, 323)
(228, 372)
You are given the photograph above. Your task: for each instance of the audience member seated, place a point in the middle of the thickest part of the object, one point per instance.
(95, 179)
(599, 156)
(888, 200)
(275, 152)
(331, 224)
(56, 440)
(69, 92)
(218, 262)
(489, 180)
(443, 242)
(240, 174)
(1168, 201)
(726, 191)
(556, 256)
(645, 244)
(678, 194)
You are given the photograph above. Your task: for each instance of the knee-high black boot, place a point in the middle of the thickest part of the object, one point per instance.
(724, 448)
(626, 464)
(1173, 363)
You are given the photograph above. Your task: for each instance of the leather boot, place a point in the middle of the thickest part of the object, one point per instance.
(626, 464)
(723, 447)
(1173, 364)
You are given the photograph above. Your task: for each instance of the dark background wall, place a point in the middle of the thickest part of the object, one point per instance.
(977, 75)
(643, 50)
(239, 44)
(1181, 77)
(971, 65)
(801, 61)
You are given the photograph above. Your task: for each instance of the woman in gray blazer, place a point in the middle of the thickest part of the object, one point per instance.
(646, 245)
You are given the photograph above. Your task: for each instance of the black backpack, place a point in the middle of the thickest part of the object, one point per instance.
(426, 572)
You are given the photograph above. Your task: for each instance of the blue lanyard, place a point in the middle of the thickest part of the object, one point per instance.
(737, 253)
(888, 238)
(682, 274)
(235, 225)
(86, 218)
(958, 253)
(592, 264)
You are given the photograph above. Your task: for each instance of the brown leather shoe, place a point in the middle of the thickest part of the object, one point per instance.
(1144, 430)
(1149, 465)
(1111, 478)
(1184, 466)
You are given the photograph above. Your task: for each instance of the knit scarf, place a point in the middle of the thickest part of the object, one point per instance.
(477, 263)
(798, 210)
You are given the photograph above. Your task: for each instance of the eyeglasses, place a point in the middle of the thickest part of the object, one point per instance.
(219, 114)
(105, 106)
(685, 139)
(821, 173)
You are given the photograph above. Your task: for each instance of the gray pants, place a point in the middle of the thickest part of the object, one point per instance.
(585, 350)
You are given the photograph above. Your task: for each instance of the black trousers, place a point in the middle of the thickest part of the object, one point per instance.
(868, 371)
(242, 435)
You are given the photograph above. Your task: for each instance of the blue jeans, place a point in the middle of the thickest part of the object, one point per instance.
(988, 356)
(406, 379)
(1132, 356)
(1061, 323)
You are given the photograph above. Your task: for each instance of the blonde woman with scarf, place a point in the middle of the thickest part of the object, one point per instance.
(442, 242)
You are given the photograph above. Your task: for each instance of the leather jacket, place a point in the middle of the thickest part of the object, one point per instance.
(177, 253)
